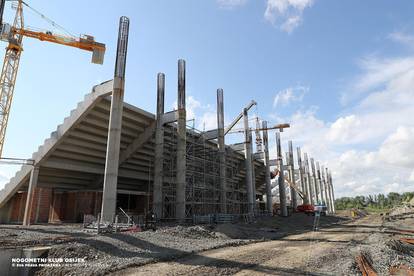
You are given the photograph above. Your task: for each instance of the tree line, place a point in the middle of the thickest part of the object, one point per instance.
(379, 201)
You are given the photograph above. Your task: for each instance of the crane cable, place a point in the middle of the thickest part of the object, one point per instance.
(50, 21)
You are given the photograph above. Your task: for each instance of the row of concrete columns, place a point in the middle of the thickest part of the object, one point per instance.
(315, 180)
(316, 185)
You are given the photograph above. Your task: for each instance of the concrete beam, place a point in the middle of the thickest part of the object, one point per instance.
(34, 175)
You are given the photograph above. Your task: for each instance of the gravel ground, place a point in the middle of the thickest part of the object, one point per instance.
(381, 246)
(111, 252)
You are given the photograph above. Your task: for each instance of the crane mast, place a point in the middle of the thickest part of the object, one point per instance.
(9, 72)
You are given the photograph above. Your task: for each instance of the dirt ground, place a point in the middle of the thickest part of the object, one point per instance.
(330, 250)
(296, 245)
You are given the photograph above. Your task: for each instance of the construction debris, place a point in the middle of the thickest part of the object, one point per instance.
(364, 265)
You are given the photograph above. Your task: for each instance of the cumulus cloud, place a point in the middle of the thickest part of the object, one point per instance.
(289, 95)
(286, 14)
(370, 147)
(230, 4)
(205, 116)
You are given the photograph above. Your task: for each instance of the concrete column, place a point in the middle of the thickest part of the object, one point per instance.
(328, 190)
(269, 207)
(221, 150)
(301, 174)
(293, 193)
(115, 125)
(325, 188)
(281, 179)
(248, 157)
(34, 175)
(181, 144)
(159, 148)
(308, 180)
(332, 193)
(319, 181)
(314, 181)
(253, 172)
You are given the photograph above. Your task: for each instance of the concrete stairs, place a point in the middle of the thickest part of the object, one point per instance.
(56, 137)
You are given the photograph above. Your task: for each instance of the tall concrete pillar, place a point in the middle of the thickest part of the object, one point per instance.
(308, 179)
(325, 188)
(319, 181)
(34, 175)
(269, 204)
(281, 179)
(248, 157)
(293, 193)
(332, 193)
(301, 174)
(253, 173)
(314, 181)
(328, 190)
(115, 126)
(181, 144)
(159, 148)
(221, 150)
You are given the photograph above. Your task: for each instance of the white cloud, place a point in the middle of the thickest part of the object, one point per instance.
(205, 116)
(378, 73)
(402, 38)
(398, 148)
(230, 4)
(289, 95)
(286, 14)
(370, 147)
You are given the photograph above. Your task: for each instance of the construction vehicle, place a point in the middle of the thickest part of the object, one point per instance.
(306, 208)
(275, 173)
(310, 209)
(13, 34)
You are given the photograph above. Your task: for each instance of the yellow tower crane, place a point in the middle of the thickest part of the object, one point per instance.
(13, 34)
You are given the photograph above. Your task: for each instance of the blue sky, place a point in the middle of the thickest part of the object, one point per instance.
(341, 72)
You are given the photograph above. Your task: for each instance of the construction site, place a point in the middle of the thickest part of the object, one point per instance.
(116, 189)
